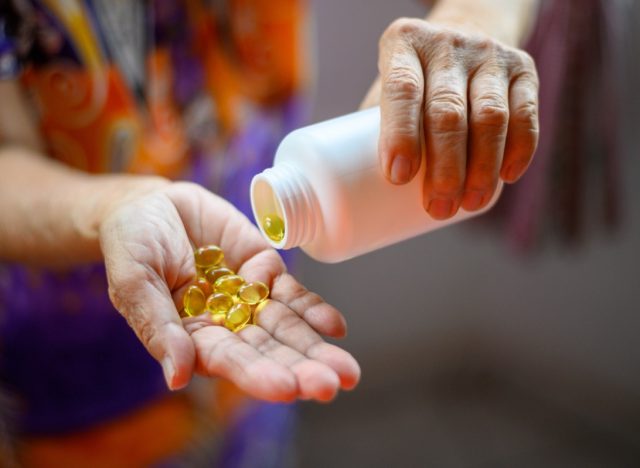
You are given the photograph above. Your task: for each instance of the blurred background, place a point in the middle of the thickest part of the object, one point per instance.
(473, 353)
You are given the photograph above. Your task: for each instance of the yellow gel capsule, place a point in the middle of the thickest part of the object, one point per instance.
(219, 319)
(252, 293)
(228, 284)
(193, 301)
(219, 303)
(212, 274)
(208, 256)
(273, 226)
(238, 316)
(204, 285)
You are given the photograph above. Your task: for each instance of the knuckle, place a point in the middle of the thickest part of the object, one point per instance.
(486, 44)
(144, 330)
(402, 83)
(491, 112)
(116, 298)
(404, 27)
(526, 115)
(457, 40)
(446, 112)
(124, 297)
(447, 36)
(524, 66)
(526, 60)
(120, 291)
(135, 317)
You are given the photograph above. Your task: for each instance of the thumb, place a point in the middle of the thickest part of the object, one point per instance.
(150, 311)
(142, 242)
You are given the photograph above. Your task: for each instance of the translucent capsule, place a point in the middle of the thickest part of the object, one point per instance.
(219, 319)
(252, 293)
(273, 226)
(238, 316)
(204, 285)
(208, 256)
(219, 303)
(228, 284)
(212, 274)
(193, 301)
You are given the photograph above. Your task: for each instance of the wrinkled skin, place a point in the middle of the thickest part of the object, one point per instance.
(147, 242)
(472, 98)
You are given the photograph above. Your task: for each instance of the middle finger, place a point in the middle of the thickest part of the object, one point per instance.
(315, 379)
(288, 328)
(489, 117)
(445, 125)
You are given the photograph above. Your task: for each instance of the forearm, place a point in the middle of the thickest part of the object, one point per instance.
(505, 20)
(50, 214)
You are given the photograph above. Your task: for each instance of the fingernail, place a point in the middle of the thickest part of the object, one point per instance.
(513, 171)
(473, 200)
(400, 169)
(440, 209)
(169, 371)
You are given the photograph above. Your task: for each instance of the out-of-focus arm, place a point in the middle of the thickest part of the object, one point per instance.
(49, 213)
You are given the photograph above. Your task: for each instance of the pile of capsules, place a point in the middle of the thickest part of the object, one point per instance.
(219, 292)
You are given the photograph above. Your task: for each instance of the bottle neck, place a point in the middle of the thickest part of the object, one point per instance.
(285, 191)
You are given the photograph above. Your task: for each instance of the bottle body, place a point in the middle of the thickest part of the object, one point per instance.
(327, 185)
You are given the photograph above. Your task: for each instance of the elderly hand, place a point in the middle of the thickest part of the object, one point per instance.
(147, 244)
(474, 101)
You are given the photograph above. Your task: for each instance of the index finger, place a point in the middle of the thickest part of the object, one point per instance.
(402, 90)
(209, 219)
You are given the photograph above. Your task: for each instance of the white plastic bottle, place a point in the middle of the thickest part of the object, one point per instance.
(327, 186)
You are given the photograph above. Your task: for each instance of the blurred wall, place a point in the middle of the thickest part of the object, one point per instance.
(458, 293)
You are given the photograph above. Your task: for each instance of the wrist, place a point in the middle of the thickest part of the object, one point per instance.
(105, 194)
(475, 26)
(51, 214)
(505, 21)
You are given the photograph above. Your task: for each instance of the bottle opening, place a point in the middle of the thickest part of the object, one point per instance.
(268, 212)
(283, 205)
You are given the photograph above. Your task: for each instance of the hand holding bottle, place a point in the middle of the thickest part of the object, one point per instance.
(472, 98)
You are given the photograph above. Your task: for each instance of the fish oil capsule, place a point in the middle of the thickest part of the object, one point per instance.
(273, 226)
(252, 293)
(193, 301)
(208, 256)
(238, 316)
(228, 284)
(212, 274)
(219, 319)
(204, 286)
(219, 303)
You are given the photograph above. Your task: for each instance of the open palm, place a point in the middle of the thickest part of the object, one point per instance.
(147, 244)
